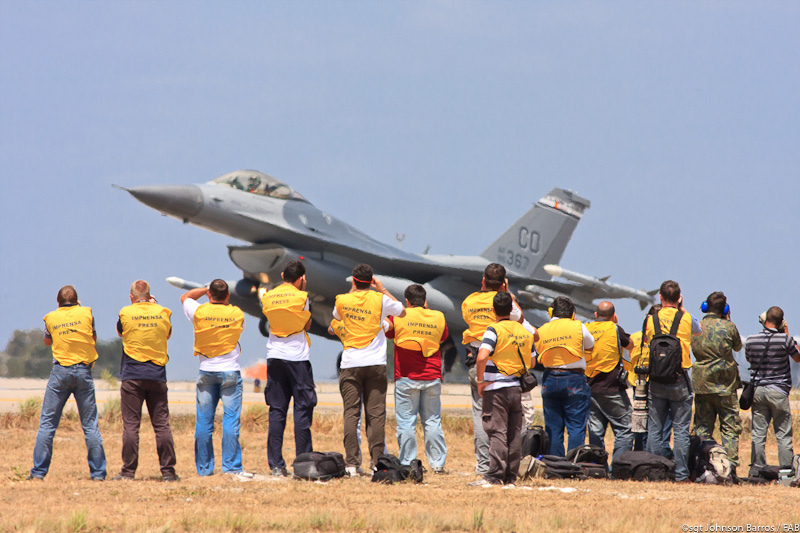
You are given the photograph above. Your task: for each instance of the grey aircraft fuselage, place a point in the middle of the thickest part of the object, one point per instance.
(283, 226)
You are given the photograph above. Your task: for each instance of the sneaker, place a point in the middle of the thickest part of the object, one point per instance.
(99, 479)
(242, 475)
(524, 467)
(31, 477)
(171, 478)
(354, 471)
(120, 477)
(479, 483)
(440, 470)
(280, 472)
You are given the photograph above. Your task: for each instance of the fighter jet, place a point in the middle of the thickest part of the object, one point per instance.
(282, 225)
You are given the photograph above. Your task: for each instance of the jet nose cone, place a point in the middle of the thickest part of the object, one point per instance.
(182, 201)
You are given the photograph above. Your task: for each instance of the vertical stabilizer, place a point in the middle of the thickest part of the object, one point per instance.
(540, 237)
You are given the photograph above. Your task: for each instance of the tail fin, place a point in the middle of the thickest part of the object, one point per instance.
(540, 237)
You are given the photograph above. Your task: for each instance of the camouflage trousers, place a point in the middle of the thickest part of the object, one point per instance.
(707, 407)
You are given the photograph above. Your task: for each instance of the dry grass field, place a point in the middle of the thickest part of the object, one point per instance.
(68, 501)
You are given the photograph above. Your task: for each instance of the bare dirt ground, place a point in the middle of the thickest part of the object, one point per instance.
(68, 501)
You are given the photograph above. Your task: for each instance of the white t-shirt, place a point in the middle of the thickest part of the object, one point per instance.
(228, 362)
(292, 348)
(375, 352)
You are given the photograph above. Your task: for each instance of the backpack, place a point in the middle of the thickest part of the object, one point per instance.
(769, 473)
(535, 441)
(708, 462)
(559, 468)
(319, 466)
(594, 470)
(389, 470)
(752, 480)
(588, 453)
(530, 468)
(643, 466)
(665, 351)
(592, 459)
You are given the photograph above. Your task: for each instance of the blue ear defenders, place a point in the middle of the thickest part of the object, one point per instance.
(704, 308)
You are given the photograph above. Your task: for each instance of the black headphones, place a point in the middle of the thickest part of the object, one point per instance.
(704, 308)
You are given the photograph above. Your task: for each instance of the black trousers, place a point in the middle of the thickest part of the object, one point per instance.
(133, 393)
(287, 380)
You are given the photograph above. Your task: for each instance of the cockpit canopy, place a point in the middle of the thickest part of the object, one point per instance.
(258, 183)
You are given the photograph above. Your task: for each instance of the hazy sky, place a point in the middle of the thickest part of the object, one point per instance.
(443, 120)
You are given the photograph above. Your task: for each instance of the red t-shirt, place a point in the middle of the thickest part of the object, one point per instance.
(412, 364)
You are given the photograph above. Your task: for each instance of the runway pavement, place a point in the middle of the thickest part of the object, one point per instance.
(456, 399)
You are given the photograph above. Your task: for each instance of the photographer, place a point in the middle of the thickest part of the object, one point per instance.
(564, 345)
(504, 353)
(670, 397)
(768, 353)
(715, 376)
(609, 403)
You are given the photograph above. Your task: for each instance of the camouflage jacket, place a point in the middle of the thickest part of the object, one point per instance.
(715, 371)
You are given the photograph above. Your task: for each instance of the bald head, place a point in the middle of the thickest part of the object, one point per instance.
(140, 290)
(67, 295)
(605, 311)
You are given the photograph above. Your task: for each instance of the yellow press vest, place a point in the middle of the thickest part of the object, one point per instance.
(284, 307)
(70, 327)
(361, 317)
(478, 313)
(561, 343)
(145, 329)
(665, 317)
(420, 329)
(338, 329)
(605, 354)
(512, 339)
(217, 328)
(640, 355)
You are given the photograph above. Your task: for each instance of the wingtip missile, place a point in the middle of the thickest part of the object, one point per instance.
(554, 270)
(601, 285)
(183, 284)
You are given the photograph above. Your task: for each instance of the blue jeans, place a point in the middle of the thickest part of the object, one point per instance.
(673, 401)
(640, 439)
(614, 410)
(565, 399)
(211, 386)
(411, 398)
(65, 381)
